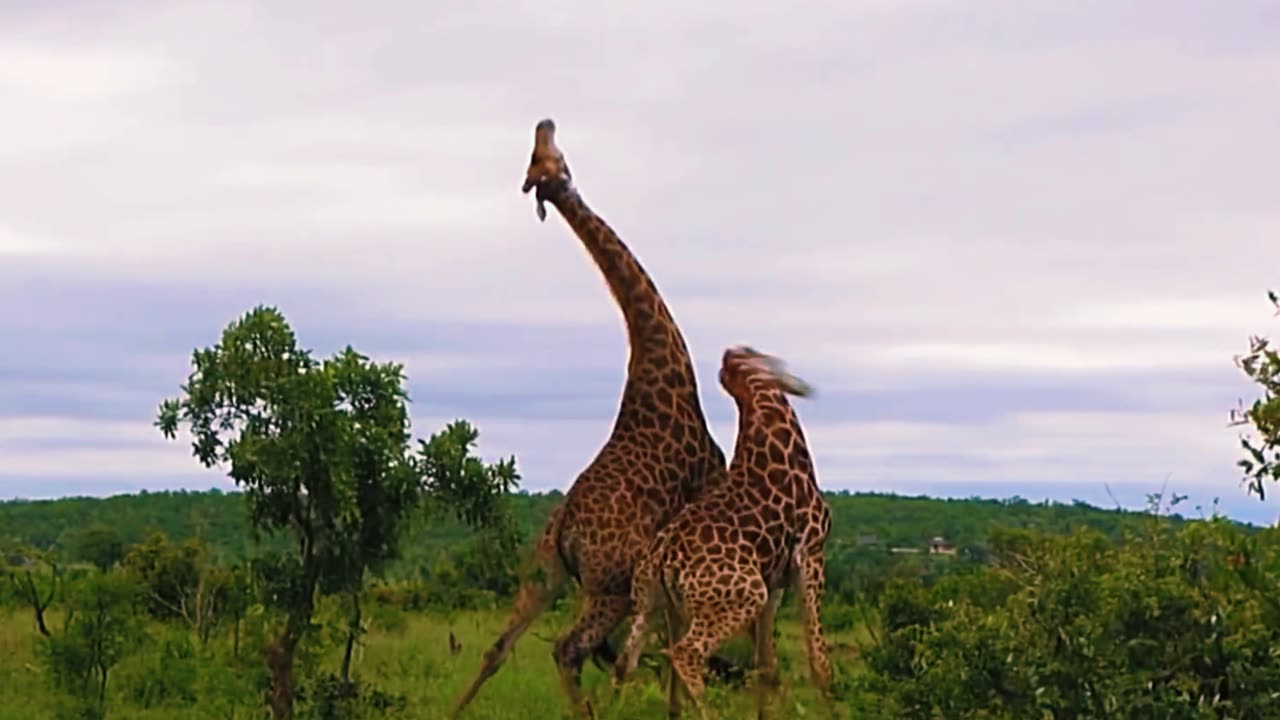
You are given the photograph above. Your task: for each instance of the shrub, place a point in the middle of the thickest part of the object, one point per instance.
(1181, 625)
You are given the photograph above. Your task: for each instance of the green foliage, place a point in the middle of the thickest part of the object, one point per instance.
(99, 544)
(319, 447)
(1174, 624)
(101, 628)
(321, 450)
(1261, 364)
(168, 573)
(853, 570)
(329, 697)
(461, 483)
(169, 673)
(32, 578)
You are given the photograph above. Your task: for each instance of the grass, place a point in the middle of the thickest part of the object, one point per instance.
(403, 654)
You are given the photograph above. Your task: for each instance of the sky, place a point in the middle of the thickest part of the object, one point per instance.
(1015, 246)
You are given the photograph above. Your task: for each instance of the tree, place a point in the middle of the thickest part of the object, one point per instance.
(99, 544)
(168, 572)
(181, 581)
(239, 593)
(1261, 364)
(321, 449)
(101, 628)
(31, 585)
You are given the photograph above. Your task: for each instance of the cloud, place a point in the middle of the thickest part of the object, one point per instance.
(1020, 247)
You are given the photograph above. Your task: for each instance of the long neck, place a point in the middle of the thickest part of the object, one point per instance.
(647, 317)
(761, 409)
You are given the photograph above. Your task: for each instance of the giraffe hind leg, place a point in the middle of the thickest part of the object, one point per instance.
(600, 616)
(810, 579)
(645, 588)
(533, 597)
(766, 654)
(673, 680)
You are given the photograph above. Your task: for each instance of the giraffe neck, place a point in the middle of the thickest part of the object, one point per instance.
(760, 411)
(649, 322)
(761, 402)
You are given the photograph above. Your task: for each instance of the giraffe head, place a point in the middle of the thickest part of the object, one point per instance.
(547, 168)
(745, 371)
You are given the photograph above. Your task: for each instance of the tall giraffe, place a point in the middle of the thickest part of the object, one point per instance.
(723, 562)
(659, 456)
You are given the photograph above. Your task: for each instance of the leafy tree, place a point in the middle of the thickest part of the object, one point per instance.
(100, 629)
(238, 596)
(1261, 364)
(453, 475)
(99, 544)
(180, 581)
(321, 449)
(169, 573)
(34, 577)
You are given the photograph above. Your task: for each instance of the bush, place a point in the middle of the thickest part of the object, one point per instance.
(329, 697)
(1169, 626)
(169, 675)
(101, 628)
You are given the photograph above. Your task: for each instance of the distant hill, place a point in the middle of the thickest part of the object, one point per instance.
(863, 520)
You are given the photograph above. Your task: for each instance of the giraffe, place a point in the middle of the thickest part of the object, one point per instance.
(659, 455)
(722, 564)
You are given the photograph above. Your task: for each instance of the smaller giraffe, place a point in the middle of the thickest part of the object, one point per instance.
(723, 563)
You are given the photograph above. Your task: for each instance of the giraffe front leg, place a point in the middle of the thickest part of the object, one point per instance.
(711, 624)
(600, 616)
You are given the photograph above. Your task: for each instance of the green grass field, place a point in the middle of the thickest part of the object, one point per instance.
(406, 654)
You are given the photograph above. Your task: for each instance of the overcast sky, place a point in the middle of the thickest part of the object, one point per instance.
(1014, 245)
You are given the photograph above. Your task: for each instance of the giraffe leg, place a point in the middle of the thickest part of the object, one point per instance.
(534, 595)
(734, 608)
(645, 589)
(673, 680)
(766, 653)
(600, 616)
(630, 655)
(811, 578)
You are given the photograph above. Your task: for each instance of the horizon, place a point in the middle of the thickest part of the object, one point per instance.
(1189, 511)
(1014, 251)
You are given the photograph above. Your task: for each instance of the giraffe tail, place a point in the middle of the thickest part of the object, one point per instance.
(540, 586)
